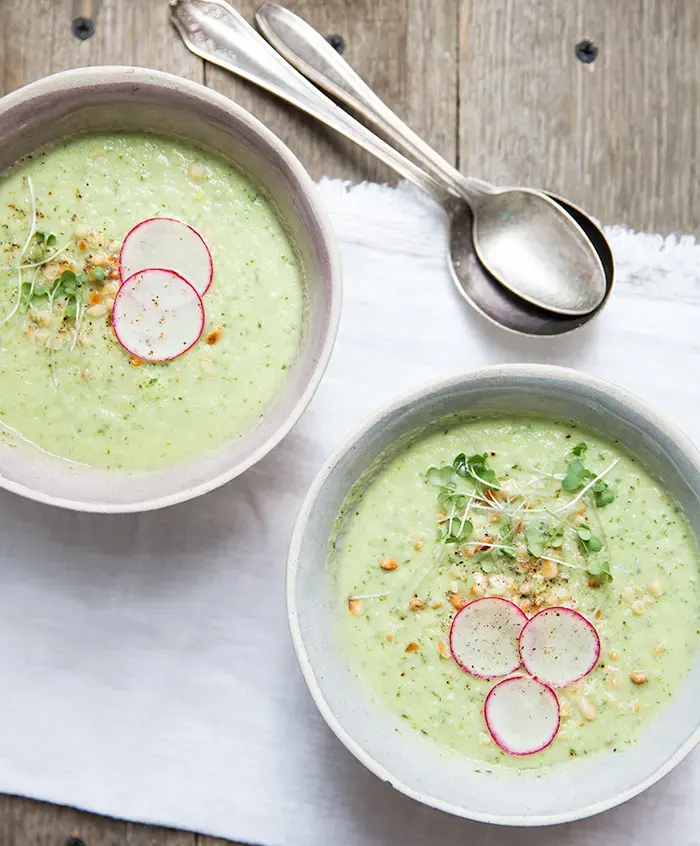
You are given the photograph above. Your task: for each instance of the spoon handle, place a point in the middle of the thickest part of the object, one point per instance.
(214, 31)
(309, 52)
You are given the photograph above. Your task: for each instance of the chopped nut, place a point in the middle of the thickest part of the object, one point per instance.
(525, 606)
(483, 545)
(457, 600)
(110, 289)
(81, 232)
(214, 335)
(135, 361)
(478, 591)
(521, 553)
(82, 244)
(613, 677)
(579, 519)
(638, 676)
(484, 739)
(588, 709)
(413, 647)
(627, 594)
(355, 607)
(479, 579)
(656, 589)
(613, 655)
(388, 564)
(564, 709)
(638, 607)
(443, 649)
(416, 604)
(51, 270)
(109, 303)
(197, 172)
(97, 310)
(95, 298)
(436, 603)
(418, 545)
(499, 585)
(389, 638)
(495, 518)
(658, 650)
(549, 570)
(99, 260)
(525, 588)
(54, 342)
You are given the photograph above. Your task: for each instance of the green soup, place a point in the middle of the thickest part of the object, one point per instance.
(66, 384)
(538, 527)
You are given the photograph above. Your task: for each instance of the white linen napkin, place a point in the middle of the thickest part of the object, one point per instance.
(146, 664)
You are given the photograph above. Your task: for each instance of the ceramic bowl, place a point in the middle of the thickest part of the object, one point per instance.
(124, 98)
(390, 749)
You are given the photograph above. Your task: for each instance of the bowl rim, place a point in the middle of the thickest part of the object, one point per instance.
(404, 402)
(118, 75)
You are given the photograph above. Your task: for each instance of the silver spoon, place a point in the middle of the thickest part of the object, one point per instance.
(311, 54)
(217, 33)
(532, 246)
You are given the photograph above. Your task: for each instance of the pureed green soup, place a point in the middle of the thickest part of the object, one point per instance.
(537, 512)
(66, 384)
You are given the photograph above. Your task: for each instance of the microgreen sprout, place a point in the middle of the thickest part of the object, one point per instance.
(600, 570)
(588, 541)
(594, 481)
(476, 467)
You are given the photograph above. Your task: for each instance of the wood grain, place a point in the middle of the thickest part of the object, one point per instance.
(618, 136)
(27, 823)
(127, 32)
(494, 86)
(404, 49)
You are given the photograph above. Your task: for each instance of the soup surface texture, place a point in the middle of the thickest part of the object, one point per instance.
(542, 513)
(66, 384)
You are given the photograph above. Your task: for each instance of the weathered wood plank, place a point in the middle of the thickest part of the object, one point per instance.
(27, 823)
(36, 39)
(619, 135)
(404, 49)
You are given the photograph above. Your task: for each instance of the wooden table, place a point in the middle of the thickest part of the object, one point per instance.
(495, 85)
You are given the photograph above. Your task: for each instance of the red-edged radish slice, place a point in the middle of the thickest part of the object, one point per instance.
(522, 715)
(157, 315)
(559, 646)
(172, 244)
(484, 637)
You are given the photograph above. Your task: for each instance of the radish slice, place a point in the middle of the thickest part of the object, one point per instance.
(559, 646)
(164, 242)
(484, 637)
(522, 715)
(157, 315)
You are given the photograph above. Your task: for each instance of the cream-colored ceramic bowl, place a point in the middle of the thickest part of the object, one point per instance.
(411, 763)
(114, 98)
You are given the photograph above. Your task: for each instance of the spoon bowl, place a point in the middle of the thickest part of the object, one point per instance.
(496, 303)
(536, 250)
